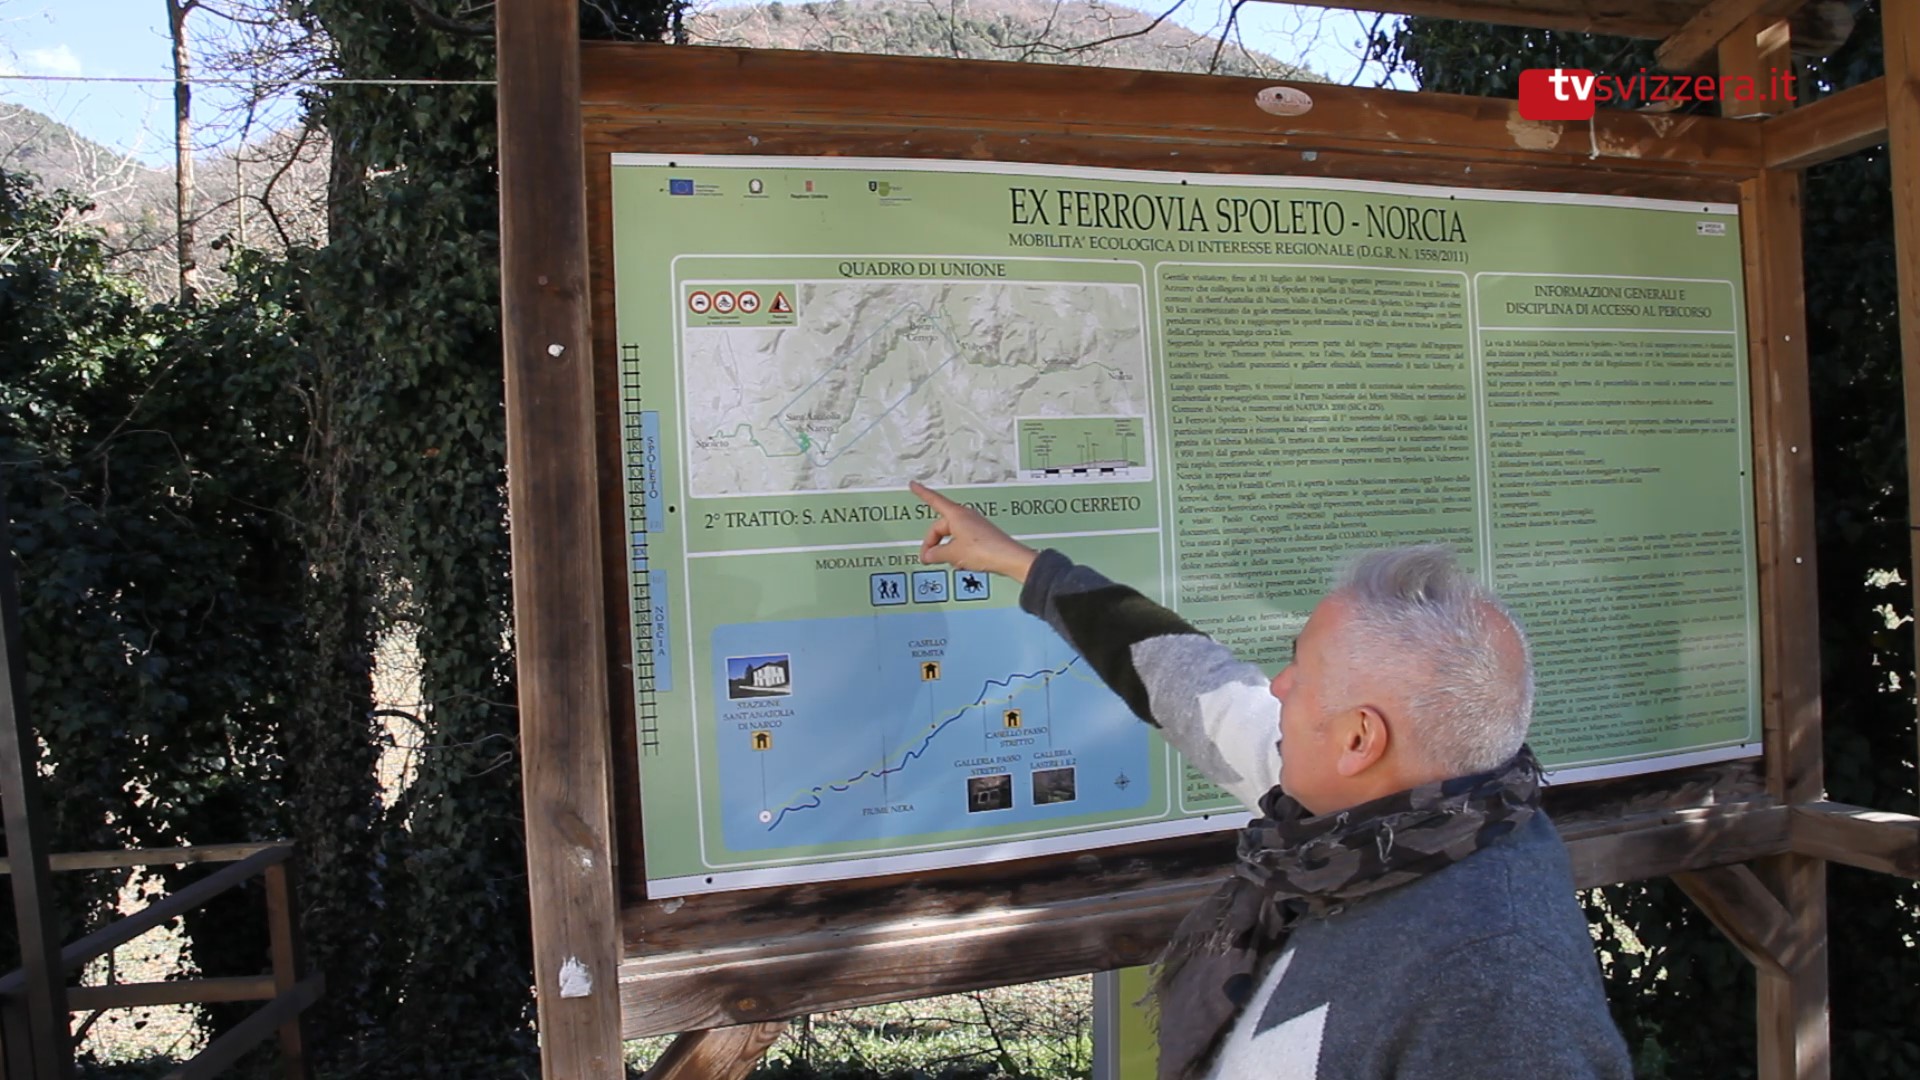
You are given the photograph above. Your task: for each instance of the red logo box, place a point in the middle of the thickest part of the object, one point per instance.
(1557, 94)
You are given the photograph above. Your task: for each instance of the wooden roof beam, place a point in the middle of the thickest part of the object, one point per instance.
(759, 92)
(1691, 47)
(1833, 127)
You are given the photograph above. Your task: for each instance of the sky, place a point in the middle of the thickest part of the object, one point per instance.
(92, 39)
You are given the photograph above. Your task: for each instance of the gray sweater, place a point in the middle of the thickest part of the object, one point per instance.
(1481, 971)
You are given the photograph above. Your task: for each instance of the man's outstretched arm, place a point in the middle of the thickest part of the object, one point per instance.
(1213, 708)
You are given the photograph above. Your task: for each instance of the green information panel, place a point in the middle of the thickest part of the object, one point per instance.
(1212, 388)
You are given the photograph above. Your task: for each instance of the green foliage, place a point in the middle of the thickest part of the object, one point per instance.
(1683, 996)
(406, 359)
(221, 510)
(404, 305)
(147, 457)
(1861, 515)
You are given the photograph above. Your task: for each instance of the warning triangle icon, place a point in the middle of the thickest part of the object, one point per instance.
(780, 305)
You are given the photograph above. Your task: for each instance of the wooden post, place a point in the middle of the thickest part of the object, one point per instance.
(559, 616)
(1792, 1007)
(1900, 31)
(1758, 48)
(283, 935)
(42, 1024)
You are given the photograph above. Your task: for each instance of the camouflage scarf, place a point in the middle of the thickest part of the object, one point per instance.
(1294, 866)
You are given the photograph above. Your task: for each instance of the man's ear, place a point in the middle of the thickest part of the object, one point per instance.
(1364, 739)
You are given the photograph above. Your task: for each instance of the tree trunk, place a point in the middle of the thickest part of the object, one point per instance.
(183, 147)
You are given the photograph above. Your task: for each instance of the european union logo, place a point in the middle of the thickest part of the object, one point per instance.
(679, 187)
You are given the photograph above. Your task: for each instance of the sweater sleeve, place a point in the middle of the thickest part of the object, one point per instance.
(1502, 1009)
(1213, 708)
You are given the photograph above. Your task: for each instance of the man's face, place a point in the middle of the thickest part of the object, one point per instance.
(1309, 745)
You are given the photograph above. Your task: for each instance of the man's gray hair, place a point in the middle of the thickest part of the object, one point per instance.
(1420, 622)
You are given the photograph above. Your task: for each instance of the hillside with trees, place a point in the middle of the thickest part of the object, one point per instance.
(1085, 32)
(262, 194)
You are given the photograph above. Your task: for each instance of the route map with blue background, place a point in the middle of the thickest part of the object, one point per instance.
(1011, 728)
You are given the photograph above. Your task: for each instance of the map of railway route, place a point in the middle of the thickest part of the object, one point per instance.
(913, 728)
(876, 382)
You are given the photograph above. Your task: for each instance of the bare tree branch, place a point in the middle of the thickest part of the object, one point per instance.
(1233, 24)
(428, 17)
(1062, 50)
(1366, 52)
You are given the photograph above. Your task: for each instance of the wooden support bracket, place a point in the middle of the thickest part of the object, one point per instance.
(1740, 905)
(727, 1053)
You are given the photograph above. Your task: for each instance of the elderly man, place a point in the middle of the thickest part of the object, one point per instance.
(1401, 907)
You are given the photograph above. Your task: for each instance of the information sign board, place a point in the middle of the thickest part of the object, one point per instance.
(1210, 387)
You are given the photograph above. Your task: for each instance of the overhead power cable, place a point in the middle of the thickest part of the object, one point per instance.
(247, 83)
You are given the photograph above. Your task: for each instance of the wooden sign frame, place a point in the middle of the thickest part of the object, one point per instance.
(1749, 841)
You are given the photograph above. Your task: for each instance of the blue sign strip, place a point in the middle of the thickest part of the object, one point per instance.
(659, 635)
(650, 459)
(662, 648)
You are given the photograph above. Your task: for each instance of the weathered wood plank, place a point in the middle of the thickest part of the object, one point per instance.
(117, 933)
(559, 627)
(1877, 840)
(180, 856)
(1733, 898)
(1758, 49)
(1689, 47)
(1833, 127)
(38, 1046)
(728, 1053)
(1014, 936)
(771, 90)
(178, 992)
(1792, 1008)
(288, 956)
(1638, 850)
(698, 923)
(230, 1047)
(615, 559)
(1900, 30)
(1783, 459)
